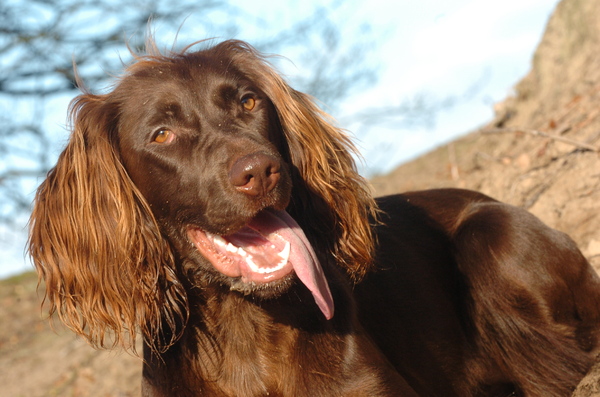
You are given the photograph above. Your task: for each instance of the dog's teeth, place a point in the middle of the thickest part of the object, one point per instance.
(264, 270)
(220, 241)
(241, 251)
(285, 252)
(252, 265)
(231, 248)
(280, 265)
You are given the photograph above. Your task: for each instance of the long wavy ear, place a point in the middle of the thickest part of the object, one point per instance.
(108, 271)
(322, 154)
(331, 199)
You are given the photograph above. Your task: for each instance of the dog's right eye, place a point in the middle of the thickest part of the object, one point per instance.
(249, 102)
(163, 136)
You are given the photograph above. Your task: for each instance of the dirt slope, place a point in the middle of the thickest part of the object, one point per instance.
(36, 361)
(521, 157)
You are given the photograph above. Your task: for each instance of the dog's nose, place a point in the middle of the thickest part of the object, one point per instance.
(255, 174)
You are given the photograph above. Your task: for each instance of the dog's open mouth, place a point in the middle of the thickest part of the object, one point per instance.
(269, 248)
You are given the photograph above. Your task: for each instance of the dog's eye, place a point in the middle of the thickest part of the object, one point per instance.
(248, 102)
(163, 136)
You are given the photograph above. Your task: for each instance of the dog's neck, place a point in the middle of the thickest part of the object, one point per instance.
(239, 346)
(233, 342)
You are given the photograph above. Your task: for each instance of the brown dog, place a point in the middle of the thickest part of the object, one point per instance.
(218, 211)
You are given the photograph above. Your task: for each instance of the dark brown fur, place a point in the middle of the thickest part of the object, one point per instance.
(437, 293)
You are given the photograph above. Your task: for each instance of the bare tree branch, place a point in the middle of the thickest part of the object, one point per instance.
(573, 142)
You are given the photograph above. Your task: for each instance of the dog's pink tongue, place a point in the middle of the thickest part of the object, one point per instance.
(302, 256)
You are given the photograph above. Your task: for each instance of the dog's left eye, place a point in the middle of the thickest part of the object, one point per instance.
(248, 102)
(163, 136)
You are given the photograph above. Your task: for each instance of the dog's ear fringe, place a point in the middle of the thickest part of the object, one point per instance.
(323, 153)
(109, 273)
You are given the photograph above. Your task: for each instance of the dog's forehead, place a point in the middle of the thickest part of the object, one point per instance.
(205, 67)
(183, 80)
(201, 72)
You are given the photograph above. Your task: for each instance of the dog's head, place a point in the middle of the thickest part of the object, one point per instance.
(204, 165)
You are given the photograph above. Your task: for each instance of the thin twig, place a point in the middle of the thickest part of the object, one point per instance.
(559, 138)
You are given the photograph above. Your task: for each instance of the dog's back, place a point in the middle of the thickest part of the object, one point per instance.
(479, 297)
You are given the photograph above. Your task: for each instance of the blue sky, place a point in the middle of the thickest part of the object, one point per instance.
(432, 48)
(441, 48)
